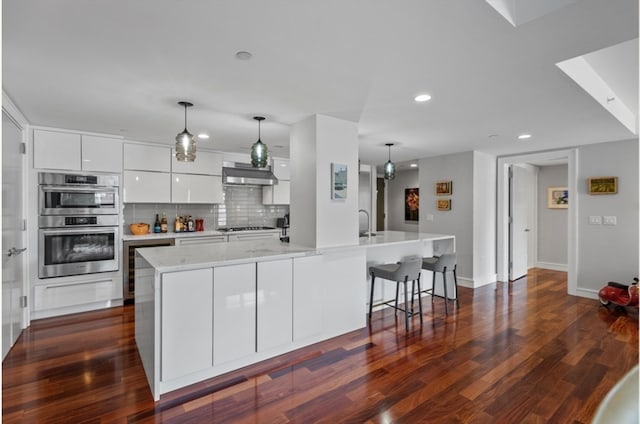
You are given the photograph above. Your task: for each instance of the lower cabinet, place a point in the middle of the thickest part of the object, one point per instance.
(234, 312)
(274, 304)
(307, 297)
(187, 322)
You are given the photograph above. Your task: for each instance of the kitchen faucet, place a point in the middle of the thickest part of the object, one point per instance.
(368, 222)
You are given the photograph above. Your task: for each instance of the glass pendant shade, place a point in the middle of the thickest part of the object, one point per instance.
(389, 167)
(185, 142)
(259, 151)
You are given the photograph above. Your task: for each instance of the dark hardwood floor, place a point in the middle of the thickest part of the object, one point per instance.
(523, 352)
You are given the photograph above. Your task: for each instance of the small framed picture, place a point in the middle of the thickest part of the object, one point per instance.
(444, 204)
(411, 204)
(603, 185)
(443, 188)
(557, 198)
(338, 181)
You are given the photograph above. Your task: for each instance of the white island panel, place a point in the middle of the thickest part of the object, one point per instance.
(234, 312)
(275, 309)
(307, 292)
(187, 322)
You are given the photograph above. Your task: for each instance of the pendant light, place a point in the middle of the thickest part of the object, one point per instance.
(389, 167)
(259, 150)
(185, 143)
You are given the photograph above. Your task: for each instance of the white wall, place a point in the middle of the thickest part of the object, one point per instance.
(607, 253)
(484, 219)
(395, 205)
(552, 223)
(317, 220)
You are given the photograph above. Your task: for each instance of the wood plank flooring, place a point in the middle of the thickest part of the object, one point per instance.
(521, 352)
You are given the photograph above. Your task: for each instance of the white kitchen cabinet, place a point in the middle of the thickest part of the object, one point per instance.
(279, 194)
(56, 150)
(144, 157)
(254, 236)
(274, 304)
(188, 188)
(101, 154)
(280, 168)
(206, 163)
(73, 293)
(190, 241)
(187, 322)
(236, 157)
(146, 187)
(234, 312)
(308, 296)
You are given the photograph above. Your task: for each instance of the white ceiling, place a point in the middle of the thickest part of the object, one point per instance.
(119, 67)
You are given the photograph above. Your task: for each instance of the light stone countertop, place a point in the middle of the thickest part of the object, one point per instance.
(173, 258)
(186, 234)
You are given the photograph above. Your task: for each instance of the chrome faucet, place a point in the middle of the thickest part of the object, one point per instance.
(368, 222)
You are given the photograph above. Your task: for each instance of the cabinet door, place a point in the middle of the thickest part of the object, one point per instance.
(147, 158)
(254, 236)
(188, 188)
(206, 163)
(279, 194)
(308, 297)
(56, 150)
(187, 322)
(101, 154)
(146, 187)
(234, 312)
(274, 298)
(190, 241)
(280, 169)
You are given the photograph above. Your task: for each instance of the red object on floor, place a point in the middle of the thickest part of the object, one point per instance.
(619, 294)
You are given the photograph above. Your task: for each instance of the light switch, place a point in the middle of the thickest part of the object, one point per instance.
(609, 220)
(595, 220)
(429, 217)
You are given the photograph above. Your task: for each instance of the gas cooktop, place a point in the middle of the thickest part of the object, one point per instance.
(232, 229)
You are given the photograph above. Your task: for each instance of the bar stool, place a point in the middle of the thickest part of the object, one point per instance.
(444, 263)
(400, 272)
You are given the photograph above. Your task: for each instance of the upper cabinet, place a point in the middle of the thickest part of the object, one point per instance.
(190, 188)
(280, 168)
(76, 152)
(143, 157)
(206, 163)
(280, 193)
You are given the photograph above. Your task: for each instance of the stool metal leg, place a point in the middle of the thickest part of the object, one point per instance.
(373, 279)
(433, 285)
(397, 293)
(406, 303)
(419, 299)
(444, 283)
(455, 280)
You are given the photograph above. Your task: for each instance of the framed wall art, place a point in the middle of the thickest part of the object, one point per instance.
(557, 197)
(603, 185)
(411, 204)
(338, 181)
(443, 204)
(444, 188)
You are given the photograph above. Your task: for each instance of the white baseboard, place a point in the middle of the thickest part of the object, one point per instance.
(552, 266)
(588, 293)
(472, 284)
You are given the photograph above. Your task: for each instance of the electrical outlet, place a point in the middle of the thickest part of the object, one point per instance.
(609, 220)
(595, 220)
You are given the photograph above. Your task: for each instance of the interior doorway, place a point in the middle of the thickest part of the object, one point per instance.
(529, 243)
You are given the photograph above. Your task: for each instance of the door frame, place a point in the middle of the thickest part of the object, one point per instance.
(503, 211)
(21, 121)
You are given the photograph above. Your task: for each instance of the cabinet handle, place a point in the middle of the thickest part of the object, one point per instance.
(15, 252)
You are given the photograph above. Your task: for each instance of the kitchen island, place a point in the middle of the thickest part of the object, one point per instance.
(205, 310)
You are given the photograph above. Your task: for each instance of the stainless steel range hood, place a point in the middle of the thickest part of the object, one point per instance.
(245, 174)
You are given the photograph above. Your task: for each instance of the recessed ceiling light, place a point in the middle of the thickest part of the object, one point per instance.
(414, 165)
(242, 55)
(524, 136)
(203, 136)
(422, 98)
(492, 136)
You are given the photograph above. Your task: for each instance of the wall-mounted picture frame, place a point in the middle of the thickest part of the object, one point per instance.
(411, 204)
(338, 181)
(443, 204)
(557, 197)
(603, 185)
(444, 188)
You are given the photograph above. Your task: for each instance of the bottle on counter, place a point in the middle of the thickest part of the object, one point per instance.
(176, 225)
(156, 225)
(190, 226)
(163, 223)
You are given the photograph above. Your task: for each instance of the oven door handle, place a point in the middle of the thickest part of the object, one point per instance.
(46, 188)
(80, 230)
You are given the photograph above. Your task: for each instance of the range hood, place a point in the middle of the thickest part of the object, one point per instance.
(244, 173)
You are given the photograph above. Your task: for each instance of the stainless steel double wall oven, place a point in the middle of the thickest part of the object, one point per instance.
(78, 224)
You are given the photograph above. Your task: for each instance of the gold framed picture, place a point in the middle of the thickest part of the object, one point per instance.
(603, 185)
(444, 188)
(443, 204)
(557, 197)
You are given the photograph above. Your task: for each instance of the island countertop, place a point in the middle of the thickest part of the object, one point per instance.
(173, 258)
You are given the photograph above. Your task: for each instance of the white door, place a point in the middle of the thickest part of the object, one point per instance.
(13, 240)
(518, 214)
